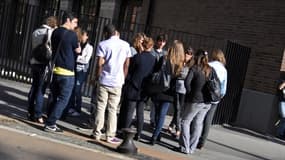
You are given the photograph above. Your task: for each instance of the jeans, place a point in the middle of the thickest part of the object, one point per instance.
(207, 124)
(75, 101)
(61, 88)
(107, 96)
(160, 113)
(281, 127)
(37, 91)
(193, 113)
(139, 106)
(178, 104)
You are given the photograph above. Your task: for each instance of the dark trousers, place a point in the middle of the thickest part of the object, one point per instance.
(207, 124)
(61, 89)
(131, 106)
(178, 105)
(37, 91)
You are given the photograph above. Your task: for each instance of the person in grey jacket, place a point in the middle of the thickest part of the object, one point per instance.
(180, 94)
(36, 93)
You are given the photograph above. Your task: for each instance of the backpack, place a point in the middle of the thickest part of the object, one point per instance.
(158, 81)
(42, 52)
(212, 88)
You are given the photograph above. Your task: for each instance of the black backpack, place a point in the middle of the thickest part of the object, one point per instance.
(212, 88)
(41, 52)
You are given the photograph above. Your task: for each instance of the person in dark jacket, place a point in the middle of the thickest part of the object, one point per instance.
(196, 104)
(174, 64)
(141, 67)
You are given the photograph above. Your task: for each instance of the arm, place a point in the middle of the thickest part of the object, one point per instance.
(86, 55)
(188, 80)
(99, 67)
(281, 86)
(224, 85)
(126, 66)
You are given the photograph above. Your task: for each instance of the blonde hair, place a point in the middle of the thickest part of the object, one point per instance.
(218, 55)
(176, 56)
(136, 42)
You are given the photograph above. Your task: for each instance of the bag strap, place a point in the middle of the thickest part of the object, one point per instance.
(57, 49)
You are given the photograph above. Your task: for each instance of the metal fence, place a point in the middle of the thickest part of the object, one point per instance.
(17, 22)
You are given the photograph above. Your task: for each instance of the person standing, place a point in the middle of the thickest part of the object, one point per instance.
(173, 64)
(65, 49)
(180, 94)
(113, 56)
(140, 68)
(158, 52)
(281, 126)
(196, 103)
(37, 91)
(218, 64)
(82, 65)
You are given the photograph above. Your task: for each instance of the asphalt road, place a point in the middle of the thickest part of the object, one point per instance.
(18, 146)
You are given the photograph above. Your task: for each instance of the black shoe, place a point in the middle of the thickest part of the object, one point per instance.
(158, 138)
(137, 138)
(200, 146)
(152, 142)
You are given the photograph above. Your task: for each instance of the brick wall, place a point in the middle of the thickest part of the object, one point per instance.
(258, 24)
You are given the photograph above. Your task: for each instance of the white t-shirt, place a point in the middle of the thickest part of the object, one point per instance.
(115, 51)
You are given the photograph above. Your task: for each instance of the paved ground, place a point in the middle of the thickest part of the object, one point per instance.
(224, 142)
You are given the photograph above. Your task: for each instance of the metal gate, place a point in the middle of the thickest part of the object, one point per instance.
(237, 57)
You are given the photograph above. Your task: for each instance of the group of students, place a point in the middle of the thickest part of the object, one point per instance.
(193, 110)
(71, 54)
(122, 74)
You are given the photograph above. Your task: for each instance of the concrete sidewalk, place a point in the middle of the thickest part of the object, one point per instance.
(224, 142)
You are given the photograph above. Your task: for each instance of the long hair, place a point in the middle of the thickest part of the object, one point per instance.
(147, 43)
(137, 41)
(201, 61)
(176, 56)
(218, 55)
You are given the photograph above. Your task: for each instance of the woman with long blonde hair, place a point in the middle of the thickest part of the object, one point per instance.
(174, 64)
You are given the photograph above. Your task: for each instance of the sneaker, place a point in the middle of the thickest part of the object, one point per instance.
(97, 138)
(113, 140)
(52, 128)
(75, 114)
(71, 110)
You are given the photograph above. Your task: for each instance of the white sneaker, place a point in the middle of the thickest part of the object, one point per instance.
(113, 140)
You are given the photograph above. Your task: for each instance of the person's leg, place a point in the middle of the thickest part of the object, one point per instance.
(152, 114)
(198, 125)
(161, 112)
(140, 118)
(181, 99)
(77, 90)
(206, 125)
(113, 102)
(63, 93)
(39, 100)
(174, 117)
(281, 127)
(131, 105)
(102, 97)
(33, 91)
(189, 113)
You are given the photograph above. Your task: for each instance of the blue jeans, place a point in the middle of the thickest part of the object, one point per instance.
(160, 113)
(281, 127)
(61, 89)
(75, 101)
(37, 91)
